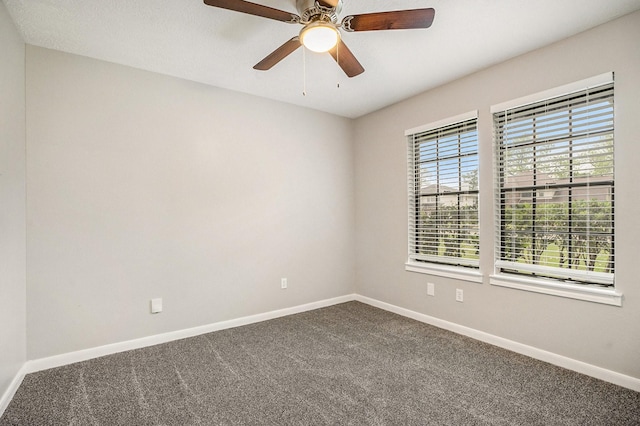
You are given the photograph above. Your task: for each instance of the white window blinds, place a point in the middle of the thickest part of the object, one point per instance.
(555, 187)
(443, 194)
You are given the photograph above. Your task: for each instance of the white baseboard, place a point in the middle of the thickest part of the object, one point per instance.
(86, 354)
(533, 352)
(7, 396)
(542, 355)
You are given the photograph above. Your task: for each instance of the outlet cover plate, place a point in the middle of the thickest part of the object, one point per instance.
(156, 305)
(431, 289)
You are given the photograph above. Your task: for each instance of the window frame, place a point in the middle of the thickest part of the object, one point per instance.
(559, 287)
(470, 271)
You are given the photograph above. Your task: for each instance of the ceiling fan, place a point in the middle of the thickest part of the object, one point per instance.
(321, 31)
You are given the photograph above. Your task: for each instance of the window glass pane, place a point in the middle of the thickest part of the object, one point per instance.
(443, 225)
(555, 172)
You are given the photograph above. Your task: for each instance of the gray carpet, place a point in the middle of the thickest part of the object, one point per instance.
(349, 364)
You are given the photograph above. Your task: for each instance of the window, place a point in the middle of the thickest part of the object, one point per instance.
(555, 187)
(443, 192)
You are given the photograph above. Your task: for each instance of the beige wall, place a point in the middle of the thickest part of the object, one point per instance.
(142, 186)
(12, 202)
(601, 335)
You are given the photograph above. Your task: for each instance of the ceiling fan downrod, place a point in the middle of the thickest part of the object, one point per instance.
(314, 10)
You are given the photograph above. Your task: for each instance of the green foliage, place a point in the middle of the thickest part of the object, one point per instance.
(450, 231)
(471, 179)
(575, 236)
(558, 162)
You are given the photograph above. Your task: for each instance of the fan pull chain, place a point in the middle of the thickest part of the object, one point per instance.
(304, 72)
(338, 62)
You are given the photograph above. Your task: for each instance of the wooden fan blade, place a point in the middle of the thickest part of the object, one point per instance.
(279, 54)
(346, 60)
(394, 20)
(254, 9)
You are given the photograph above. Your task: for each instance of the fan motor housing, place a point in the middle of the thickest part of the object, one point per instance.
(311, 10)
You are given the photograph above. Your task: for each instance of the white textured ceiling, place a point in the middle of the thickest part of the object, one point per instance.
(187, 39)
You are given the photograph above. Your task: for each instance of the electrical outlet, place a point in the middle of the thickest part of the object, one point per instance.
(431, 290)
(156, 305)
(283, 283)
(459, 295)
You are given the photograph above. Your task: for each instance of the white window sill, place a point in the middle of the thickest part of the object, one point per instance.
(573, 291)
(460, 273)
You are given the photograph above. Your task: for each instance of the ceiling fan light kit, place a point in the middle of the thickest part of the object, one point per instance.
(319, 36)
(321, 31)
